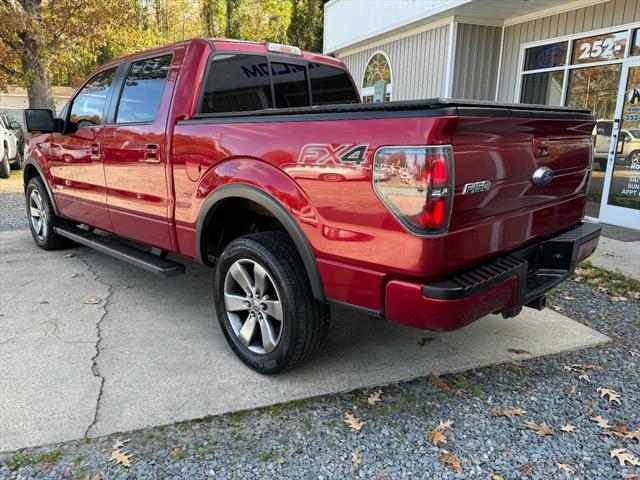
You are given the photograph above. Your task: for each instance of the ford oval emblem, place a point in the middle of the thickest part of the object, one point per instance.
(542, 176)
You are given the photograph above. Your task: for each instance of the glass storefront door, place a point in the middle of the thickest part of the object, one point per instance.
(620, 203)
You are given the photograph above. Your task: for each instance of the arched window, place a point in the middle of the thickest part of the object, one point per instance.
(376, 83)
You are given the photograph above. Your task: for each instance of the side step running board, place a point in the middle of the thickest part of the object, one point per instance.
(111, 245)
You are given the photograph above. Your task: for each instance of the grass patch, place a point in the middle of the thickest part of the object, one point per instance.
(21, 459)
(178, 453)
(280, 408)
(266, 457)
(615, 283)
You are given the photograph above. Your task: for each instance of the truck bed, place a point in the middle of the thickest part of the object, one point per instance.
(428, 107)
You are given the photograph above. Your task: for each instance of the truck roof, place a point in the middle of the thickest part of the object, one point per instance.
(228, 45)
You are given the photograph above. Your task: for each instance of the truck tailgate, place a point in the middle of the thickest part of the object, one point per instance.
(496, 199)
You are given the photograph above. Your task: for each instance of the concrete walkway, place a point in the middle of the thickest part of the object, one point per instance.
(90, 346)
(617, 255)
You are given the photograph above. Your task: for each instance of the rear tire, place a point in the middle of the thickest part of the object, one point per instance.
(42, 218)
(602, 163)
(5, 167)
(249, 317)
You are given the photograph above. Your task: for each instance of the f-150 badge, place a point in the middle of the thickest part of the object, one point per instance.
(333, 154)
(476, 187)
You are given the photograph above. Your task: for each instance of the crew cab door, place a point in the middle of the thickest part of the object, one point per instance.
(135, 152)
(76, 154)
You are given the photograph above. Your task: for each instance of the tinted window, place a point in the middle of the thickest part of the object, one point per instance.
(142, 92)
(88, 105)
(290, 85)
(546, 56)
(237, 83)
(330, 85)
(543, 88)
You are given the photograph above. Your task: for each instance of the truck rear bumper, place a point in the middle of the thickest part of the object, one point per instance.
(504, 284)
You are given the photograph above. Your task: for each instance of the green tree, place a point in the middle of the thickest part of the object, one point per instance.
(306, 26)
(50, 39)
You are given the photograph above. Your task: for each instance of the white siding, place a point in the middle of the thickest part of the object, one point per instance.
(602, 15)
(476, 62)
(418, 64)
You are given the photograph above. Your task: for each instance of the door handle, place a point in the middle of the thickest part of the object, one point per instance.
(95, 151)
(152, 153)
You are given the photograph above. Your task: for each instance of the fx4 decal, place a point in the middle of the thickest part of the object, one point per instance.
(331, 154)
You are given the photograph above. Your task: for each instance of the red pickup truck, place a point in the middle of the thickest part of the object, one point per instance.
(260, 160)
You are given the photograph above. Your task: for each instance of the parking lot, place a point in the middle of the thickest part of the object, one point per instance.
(92, 346)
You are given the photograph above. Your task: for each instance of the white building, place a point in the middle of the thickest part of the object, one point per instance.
(581, 53)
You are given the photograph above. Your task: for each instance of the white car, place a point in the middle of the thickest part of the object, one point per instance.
(9, 152)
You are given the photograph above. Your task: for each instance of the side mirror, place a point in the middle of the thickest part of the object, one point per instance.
(15, 125)
(39, 120)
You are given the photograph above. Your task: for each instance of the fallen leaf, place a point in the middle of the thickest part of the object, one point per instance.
(585, 272)
(121, 457)
(570, 390)
(437, 436)
(423, 341)
(635, 353)
(527, 469)
(44, 302)
(620, 428)
(353, 422)
(565, 468)
(356, 458)
(75, 275)
(120, 444)
(439, 382)
(557, 308)
(507, 412)
(374, 397)
(624, 457)
(618, 299)
(612, 394)
(541, 430)
(602, 423)
(517, 368)
(630, 476)
(93, 301)
(567, 428)
(70, 255)
(518, 351)
(281, 461)
(635, 435)
(566, 296)
(452, 461)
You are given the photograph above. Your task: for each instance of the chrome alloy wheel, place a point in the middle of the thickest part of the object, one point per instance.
(38, 215)
(253, 306)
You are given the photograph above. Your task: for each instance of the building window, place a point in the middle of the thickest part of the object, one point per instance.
(376, 84)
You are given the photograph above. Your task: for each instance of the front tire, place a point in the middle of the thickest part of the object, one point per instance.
(264, 303)
(42, 218)
(5, 167)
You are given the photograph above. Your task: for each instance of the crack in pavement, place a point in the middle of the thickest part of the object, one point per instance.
(94, 360)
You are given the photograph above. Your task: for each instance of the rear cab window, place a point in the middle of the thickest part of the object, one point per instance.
(142, 90)
(242, 83)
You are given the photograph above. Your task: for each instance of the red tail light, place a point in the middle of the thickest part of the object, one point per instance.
(416, 184)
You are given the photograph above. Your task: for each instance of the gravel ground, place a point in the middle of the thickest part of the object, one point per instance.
(12, 211)
(310, 439)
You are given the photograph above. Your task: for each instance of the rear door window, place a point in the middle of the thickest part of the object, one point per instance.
(330, 85)
(142, 91)
(290, 85)
(237, 83)
(88, 106)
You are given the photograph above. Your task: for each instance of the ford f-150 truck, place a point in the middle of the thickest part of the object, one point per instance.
(260, 161)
